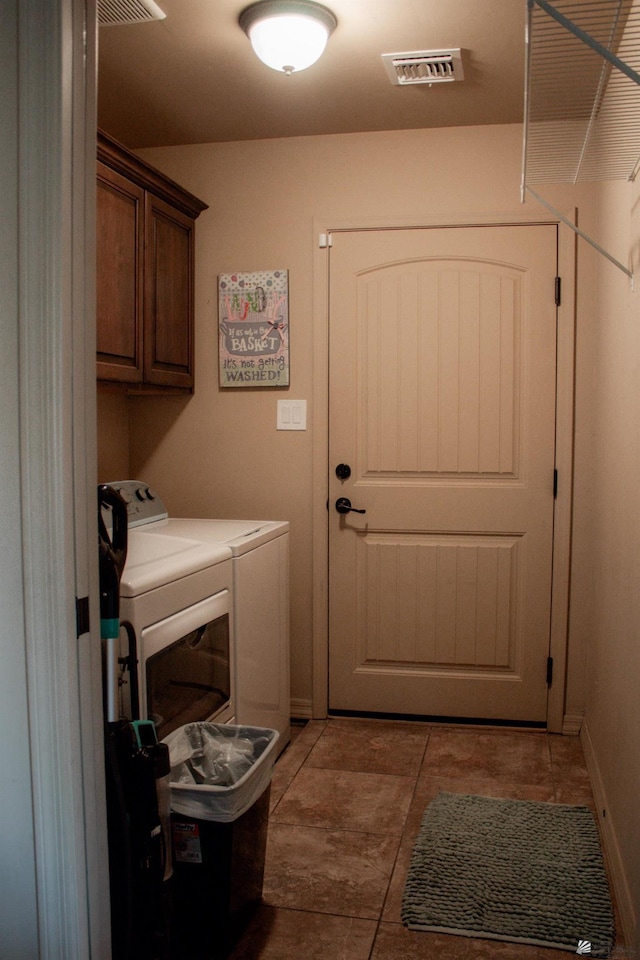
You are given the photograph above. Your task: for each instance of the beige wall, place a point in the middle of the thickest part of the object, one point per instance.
(612, 501)
(113, 435)
(219, 454)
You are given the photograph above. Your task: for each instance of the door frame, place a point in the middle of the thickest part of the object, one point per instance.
(567, 245)
(53, 721)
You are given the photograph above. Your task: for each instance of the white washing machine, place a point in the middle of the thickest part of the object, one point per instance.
(259, 551)
(176, 600)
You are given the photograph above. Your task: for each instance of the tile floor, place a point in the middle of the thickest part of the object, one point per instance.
(347, 799)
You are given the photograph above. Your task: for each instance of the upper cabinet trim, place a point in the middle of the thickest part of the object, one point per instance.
(123, 161)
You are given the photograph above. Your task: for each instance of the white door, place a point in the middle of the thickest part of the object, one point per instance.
(442, 413)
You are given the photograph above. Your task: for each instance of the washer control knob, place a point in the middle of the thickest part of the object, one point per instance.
(124, 494)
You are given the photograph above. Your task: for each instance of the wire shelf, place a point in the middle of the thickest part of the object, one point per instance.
(582, 110)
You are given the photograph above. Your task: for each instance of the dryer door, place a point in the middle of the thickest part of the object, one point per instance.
(185, 666)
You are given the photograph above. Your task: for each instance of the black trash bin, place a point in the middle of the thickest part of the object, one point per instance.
(220, 788)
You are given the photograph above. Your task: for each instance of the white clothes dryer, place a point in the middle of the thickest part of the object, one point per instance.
(260, 561)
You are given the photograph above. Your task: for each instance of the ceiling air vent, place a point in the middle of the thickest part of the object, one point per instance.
(128, 11)
(424, 66)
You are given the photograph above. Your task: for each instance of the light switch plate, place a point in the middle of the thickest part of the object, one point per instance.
(292, 415)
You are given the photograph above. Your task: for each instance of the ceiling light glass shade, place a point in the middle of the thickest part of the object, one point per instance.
(288, 35)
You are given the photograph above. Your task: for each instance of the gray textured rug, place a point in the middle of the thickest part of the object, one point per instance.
(510, 870)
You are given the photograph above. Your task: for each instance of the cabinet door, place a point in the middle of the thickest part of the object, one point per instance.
(119, 272)
(168, 303)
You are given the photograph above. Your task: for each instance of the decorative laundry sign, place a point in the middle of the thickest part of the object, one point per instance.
(253, 320)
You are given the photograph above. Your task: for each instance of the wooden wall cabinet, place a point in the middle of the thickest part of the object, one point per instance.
(144, 277)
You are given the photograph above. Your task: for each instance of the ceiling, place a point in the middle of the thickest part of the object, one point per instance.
(193, 77)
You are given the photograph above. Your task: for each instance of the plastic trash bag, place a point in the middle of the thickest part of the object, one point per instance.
(215, 760)
(219, 770)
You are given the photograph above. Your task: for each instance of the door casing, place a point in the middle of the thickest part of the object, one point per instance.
(56, 847)
(564, 444)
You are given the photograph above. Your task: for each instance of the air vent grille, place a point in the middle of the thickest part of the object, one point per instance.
(424, 66)
(128, 11)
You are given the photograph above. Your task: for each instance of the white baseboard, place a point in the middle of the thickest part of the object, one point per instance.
(301, 709)
(623, 896)
(572, 724)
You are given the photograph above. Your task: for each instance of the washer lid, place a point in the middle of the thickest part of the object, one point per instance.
(154, 559)
(239, 535)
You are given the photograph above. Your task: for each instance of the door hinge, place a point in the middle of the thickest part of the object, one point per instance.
(82, 616)
(549, 671)
(555, 484)
(325, 240)
(558, 291)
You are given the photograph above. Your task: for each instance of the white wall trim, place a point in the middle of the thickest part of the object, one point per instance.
(56, 132)
(615, 862)
(572, 724)
(320, 475)
(18, 932)
(82, 146)
(564, 440)
(563, 514)
(301, 709)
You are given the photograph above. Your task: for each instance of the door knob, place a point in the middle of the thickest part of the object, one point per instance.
(343, 505)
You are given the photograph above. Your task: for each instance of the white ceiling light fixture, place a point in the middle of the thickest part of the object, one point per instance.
(288, 35)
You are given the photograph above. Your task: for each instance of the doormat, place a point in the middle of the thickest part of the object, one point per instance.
(510, 870)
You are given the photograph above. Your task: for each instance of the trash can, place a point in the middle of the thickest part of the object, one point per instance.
(220, 788)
